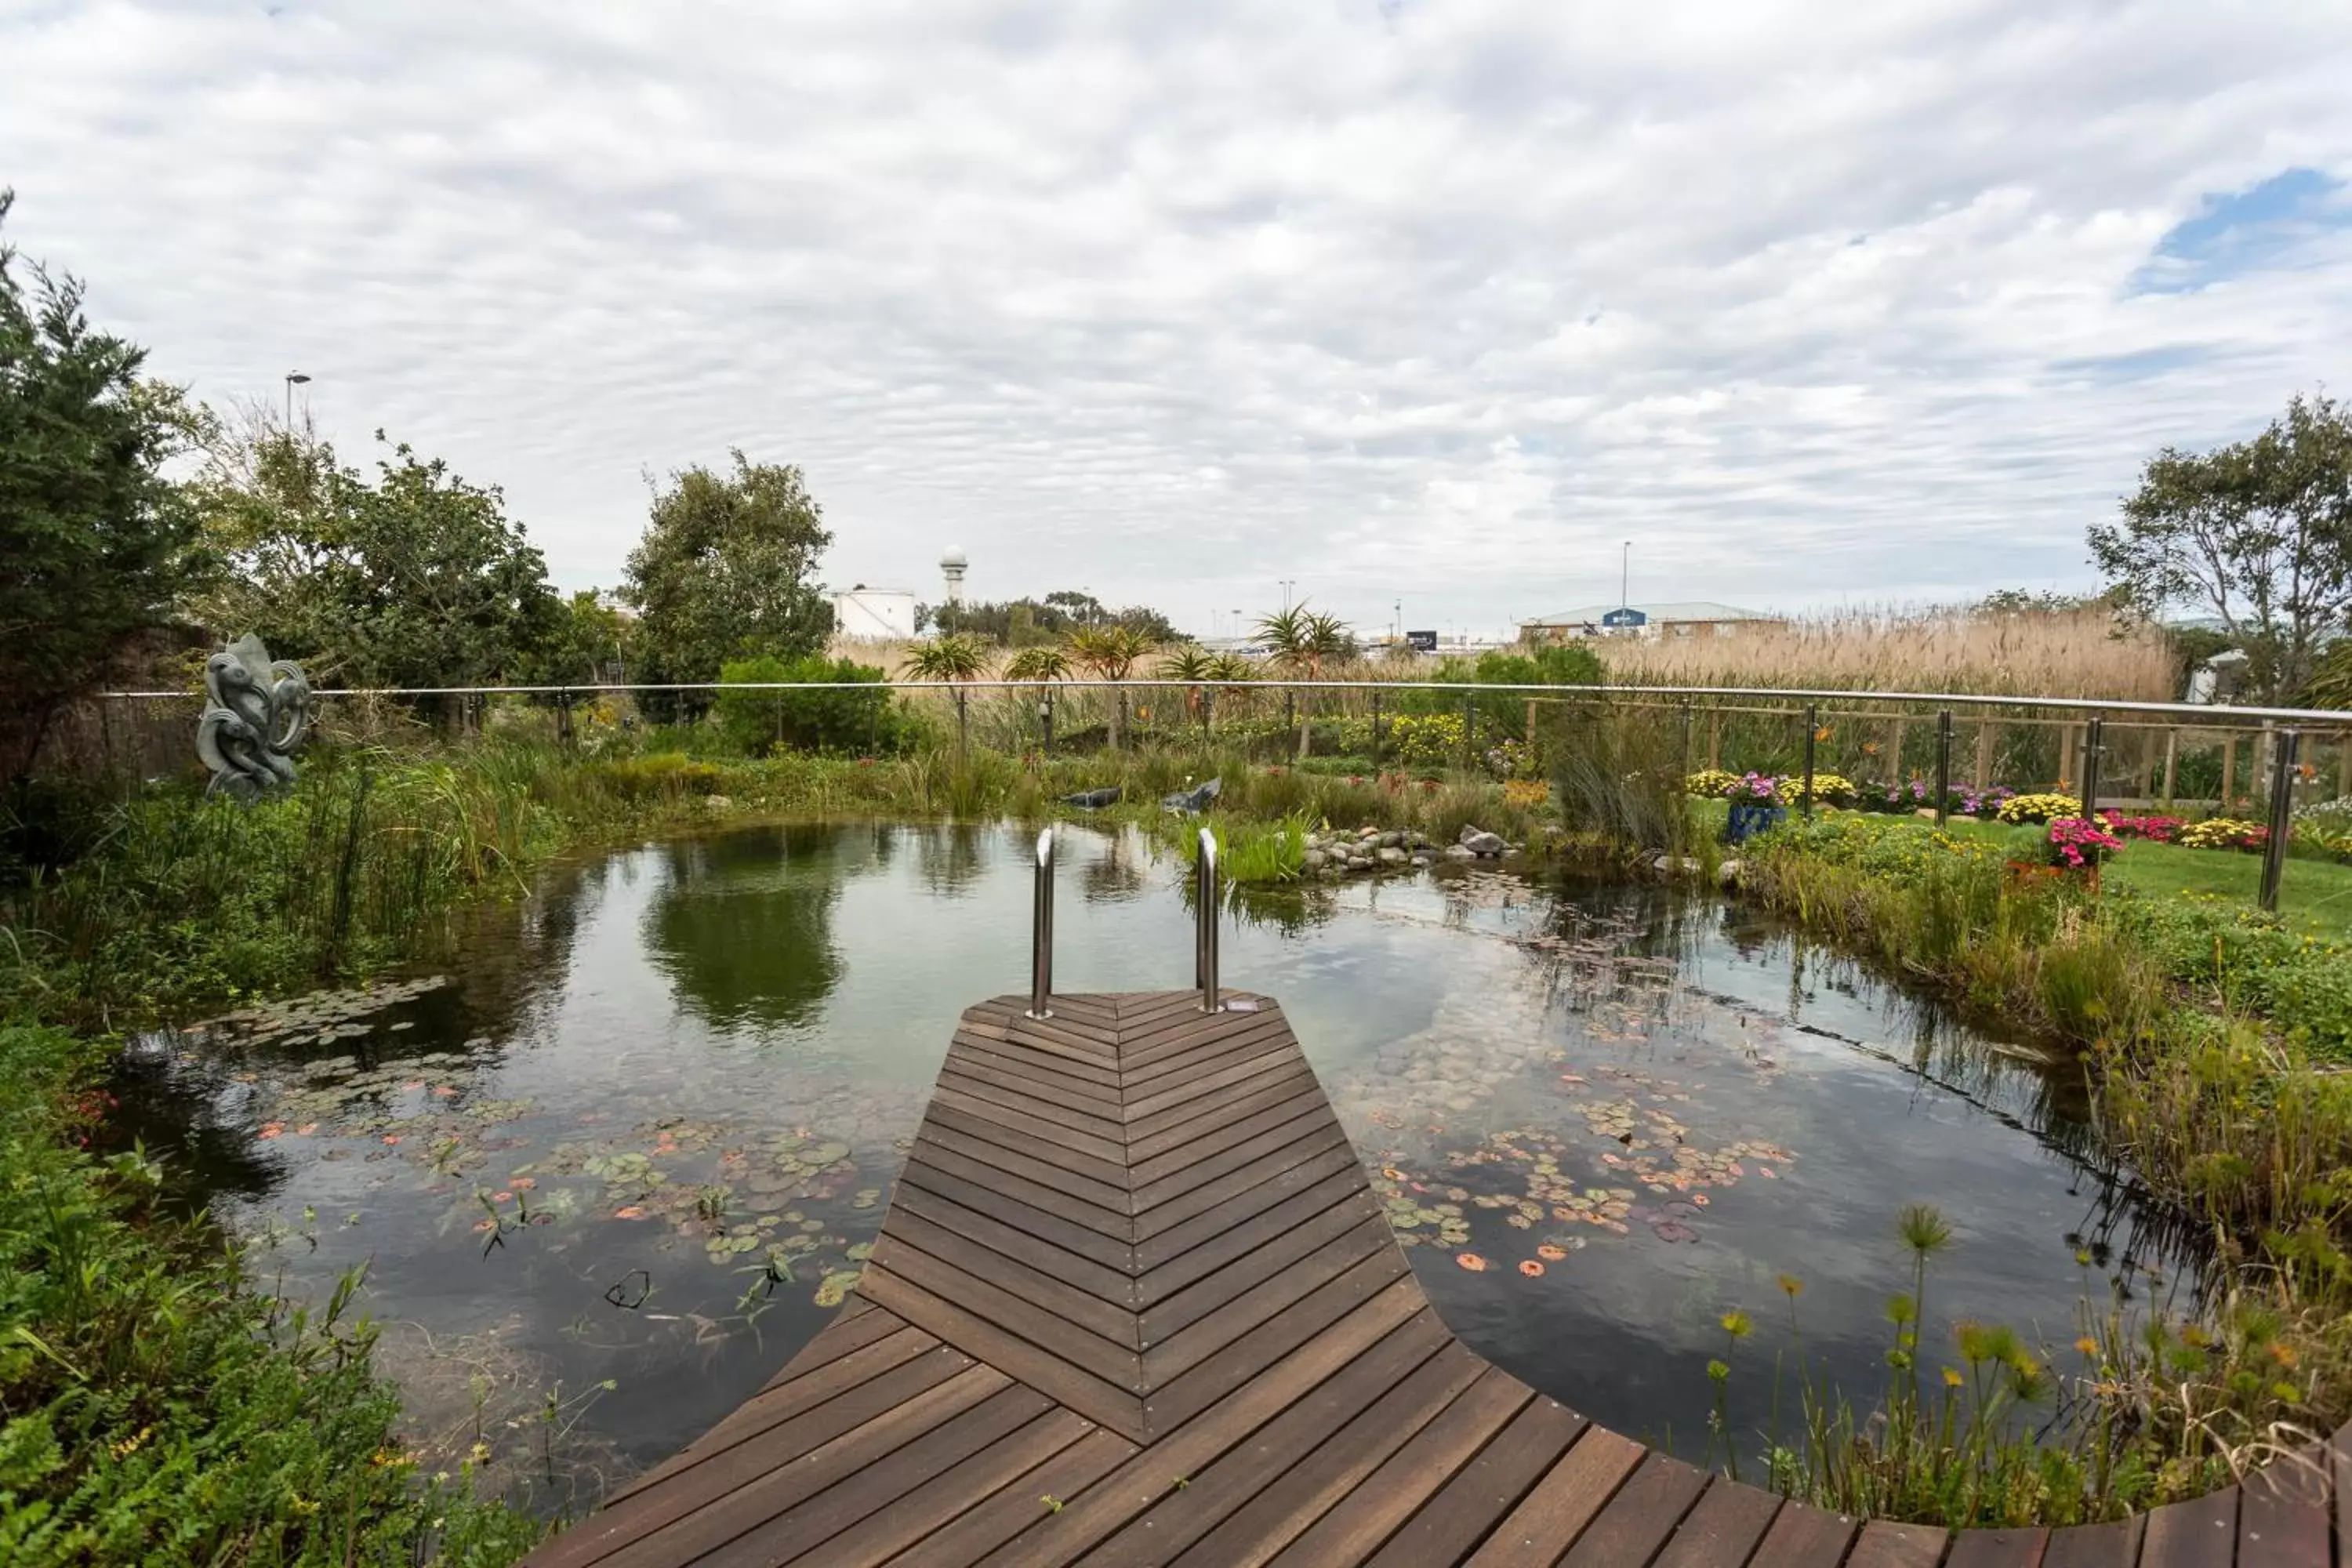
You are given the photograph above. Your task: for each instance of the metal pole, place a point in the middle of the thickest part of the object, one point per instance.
(1204, 943)
(963, 723)
(1045, 716)
(1812, 730)
(1686, 735)
(2282, 814)
(2094, 748)
(1041, 955)
(1944, 768)
(1376, 731)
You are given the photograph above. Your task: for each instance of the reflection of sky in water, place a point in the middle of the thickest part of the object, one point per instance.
(693, 1003)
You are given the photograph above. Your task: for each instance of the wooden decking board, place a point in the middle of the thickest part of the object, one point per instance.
(1885, 1544)
(1135, 1303)
(1559, 1506)
(1465, 1511)
(1634, 1523)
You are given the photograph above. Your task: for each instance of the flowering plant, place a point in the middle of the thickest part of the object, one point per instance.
(2225, 833)
(2045, 807)
(1835, 788)
(1755, 789)
(2075, 843)
(2155, 829)
(1711, 783)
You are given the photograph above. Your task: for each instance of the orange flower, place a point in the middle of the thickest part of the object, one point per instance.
(1551, 1254)
(1472, 1261)
(1531, 1268)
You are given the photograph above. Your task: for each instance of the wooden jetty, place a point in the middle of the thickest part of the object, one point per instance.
(1134, 1303)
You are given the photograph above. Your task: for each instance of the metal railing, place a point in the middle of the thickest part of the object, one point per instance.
(1204, 931)
(1041, 950)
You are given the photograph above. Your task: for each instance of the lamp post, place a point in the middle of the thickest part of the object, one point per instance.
(1287, 583)
(294, 378)
(1625, 577)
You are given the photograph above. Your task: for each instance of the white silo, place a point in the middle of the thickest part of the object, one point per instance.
(952, 563)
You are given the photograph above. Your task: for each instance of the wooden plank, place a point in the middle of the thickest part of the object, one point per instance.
(1997, 1549)
(1082, 1133)
(1170, 1128)
(1104, 1251)
(781, 1402)
(789, 1536)
(1637, 1520)
(1102, 1401)
(1044, 1171)
(1568, 1498)
(1145, 1114)
(1244, 1471)
(1194, 1267)
(2283, 1516)
(1135, 1486)
(1154, 1250)
(1147, 1072)
(1327, 1259)
(673, 1494)
(763, 1496)
(1302, 1098)
(1367, 1516)
(1487, 1490)
(1044, 1200)
(1056, 1146)
(1287, 1248)
(1244, 1181)
(1170, 1405)
(1307, 1491)
(1033, 1072)
(1085, 1274)
(987, 1525)
(1209, 1167)
(1146, 1156)
(1105, 1358)
(935, 1504)
(1884, 1543)
(2201, 1533)
(2111, 1545)
(1802, 1536)
(1721, 1528)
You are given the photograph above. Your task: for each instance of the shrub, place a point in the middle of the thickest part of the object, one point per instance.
(837, 723)
(2044, 807)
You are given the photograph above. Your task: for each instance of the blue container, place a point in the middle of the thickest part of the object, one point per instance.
(1751, 818)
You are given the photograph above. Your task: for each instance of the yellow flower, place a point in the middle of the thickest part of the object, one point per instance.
(1952, 1377)
(2087, 1345)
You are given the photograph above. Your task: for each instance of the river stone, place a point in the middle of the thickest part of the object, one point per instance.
(1484, 844)
(1460, 852)
(1312, 860)
(1391, 840)
(1392, 856)
(1424, 858)
(1360, 862)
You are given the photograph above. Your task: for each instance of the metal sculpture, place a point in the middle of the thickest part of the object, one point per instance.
(260, 712)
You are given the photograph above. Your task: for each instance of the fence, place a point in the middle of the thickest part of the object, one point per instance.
(2112, 754)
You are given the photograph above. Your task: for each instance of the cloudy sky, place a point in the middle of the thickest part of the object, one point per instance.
(1438, 299)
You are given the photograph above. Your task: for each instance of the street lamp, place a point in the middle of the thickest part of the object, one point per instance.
(294, 378)
(1287, 583)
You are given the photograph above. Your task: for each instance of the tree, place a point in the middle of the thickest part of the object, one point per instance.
(726, 571)
(95, 544)
(833, 721)
(1300, 640)
(954, 659)
(1110, 652)
(414, 578)
(586, 643)
(1038, 664)
(2259, 532)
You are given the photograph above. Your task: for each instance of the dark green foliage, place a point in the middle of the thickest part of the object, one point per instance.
(582, 642)
(94, 544)
(726, 571)
(414, 578)
(853, 723)
(2258, 532)
(152, 1410)
(1033, 623)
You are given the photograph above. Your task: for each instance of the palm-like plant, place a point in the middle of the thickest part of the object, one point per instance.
(1038, 664)
(1110, 652)
(954, 659)
(1190, 663)
(1301, 639)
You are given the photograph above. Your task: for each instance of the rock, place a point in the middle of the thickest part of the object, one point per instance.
(1391, 840)
(1468, 832)
(1425, 859)
(1392, 856)
(1727, 873)
(1482, 843)
(717, 803)
(1312, 860)
(1360, 862)
(1460, 852)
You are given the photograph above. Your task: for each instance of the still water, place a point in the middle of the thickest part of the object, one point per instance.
(642, 1130)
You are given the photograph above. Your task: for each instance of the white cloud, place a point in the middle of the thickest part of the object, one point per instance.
(1426, 299)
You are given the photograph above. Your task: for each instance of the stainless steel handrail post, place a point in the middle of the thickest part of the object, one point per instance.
(1204, 943)
(1041, 957)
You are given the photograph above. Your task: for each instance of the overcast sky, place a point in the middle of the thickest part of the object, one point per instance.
(1414, 299)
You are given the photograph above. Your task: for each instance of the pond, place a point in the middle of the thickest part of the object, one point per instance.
(641, 1130)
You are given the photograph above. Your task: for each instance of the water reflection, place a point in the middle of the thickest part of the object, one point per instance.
(647, 1128)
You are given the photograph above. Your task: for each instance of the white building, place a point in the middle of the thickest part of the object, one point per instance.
(873, 613)
(1684, 619)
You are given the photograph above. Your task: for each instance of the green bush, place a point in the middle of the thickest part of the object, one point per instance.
(833, 723)
(152, 1410)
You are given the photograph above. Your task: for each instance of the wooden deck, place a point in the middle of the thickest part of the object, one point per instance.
(1134, 1302)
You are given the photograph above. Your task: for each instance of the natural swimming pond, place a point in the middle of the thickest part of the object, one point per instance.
(641, 1130)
